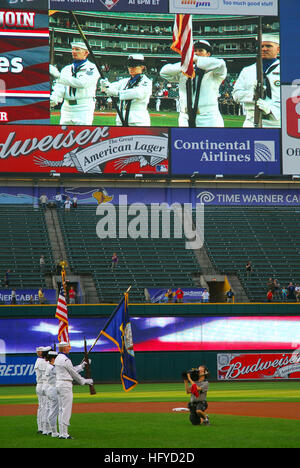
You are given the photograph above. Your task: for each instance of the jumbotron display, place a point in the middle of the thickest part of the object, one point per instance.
(160, 334)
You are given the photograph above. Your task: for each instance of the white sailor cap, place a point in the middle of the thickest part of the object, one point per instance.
(136, 59)
(270, 38)
(203, 44)
(47, 348)
(40, 348)
(80, 45)
(63, 343)
(52, 353)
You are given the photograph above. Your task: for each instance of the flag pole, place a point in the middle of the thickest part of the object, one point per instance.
(109, 320)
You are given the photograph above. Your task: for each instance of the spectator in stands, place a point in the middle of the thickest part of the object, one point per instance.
(72, 295)
(297, 292)
(284, 293)
(59, 200)
(133, 93)
(179, 295)
(205, 295)
(209, 74)
(244, 88)
(291, 292)
(229, 295)
(270, 295)
(249, 269)
(277, 289)
(68, 204)
(13, 297)
(75, 200)
(43, 200)
(42, 298)
(170, 295)
(7, 278)
(270, 284)
(114, 261)
(42, 264)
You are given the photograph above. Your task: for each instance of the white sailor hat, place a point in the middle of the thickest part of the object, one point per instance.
(203, 44)
(52, 353)
(80, 45)
(270, 38)
(40, 348)
(136, 59)
(47, 348)
(63, 343)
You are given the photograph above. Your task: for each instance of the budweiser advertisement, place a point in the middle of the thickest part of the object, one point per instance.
(258, 366)
(83, 150)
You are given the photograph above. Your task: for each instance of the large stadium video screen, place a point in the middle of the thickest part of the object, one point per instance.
(133, 68)
(220, 83)
(160, 333)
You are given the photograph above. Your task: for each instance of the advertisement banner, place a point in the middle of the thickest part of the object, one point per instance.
(138, 6)
(17, 370)
(24, 67)
(189, 295)
(291, 130)
(225, 7)
(27, 296)
(274, 366)
(84, 150)
(152, 195)
(25, 4)
(248, 197)
(227, 152)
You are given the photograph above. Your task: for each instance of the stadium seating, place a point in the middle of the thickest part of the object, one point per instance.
(143, 263)
(23, 239)
(269, 237)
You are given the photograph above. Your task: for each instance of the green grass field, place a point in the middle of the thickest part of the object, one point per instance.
(158, 119)
(159, 430)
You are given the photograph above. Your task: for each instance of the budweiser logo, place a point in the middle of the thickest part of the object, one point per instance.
(253, 366)
(66, 139)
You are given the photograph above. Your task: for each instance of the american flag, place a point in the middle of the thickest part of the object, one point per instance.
(62, 315)
(183, 43)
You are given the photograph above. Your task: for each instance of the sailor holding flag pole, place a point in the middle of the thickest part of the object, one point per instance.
(65, 371)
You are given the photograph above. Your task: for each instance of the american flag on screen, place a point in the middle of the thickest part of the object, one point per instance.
(24, 77)
(183, 43)
(62, 315)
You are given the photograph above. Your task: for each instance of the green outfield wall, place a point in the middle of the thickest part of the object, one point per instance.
(151, 310)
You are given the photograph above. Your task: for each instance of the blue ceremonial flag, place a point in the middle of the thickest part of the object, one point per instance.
(118, 330)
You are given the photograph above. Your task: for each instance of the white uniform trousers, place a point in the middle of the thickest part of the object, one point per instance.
(45, 410)
(52, 409)
(79, 114)
(202, 120)
(41, 406)
(65, 403)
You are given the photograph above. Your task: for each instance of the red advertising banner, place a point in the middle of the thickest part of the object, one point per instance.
(24, 67)
(258, 366)
(83, 150)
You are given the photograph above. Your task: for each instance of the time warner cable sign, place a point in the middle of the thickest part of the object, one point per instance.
(213, 151)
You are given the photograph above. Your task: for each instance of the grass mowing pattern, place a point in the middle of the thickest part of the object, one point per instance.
(154, 431)
(165, 430)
